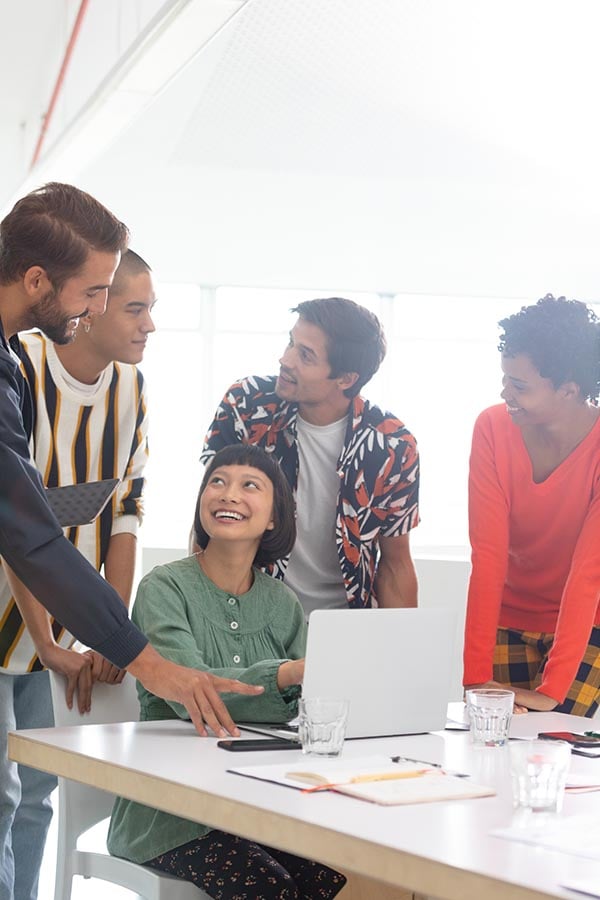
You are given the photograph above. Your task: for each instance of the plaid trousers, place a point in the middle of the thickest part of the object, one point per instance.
(520, 657)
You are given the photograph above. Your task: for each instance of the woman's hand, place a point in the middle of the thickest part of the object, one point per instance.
(519, 704)
(534, 700)
(289, 673)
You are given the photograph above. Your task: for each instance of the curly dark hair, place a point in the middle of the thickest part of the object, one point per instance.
(279, 541)
(355, 338)
(562, 339)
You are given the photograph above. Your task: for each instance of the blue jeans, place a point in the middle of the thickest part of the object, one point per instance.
(25, 808)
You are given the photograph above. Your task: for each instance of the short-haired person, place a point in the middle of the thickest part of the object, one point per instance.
(59, 249)
(216, 612)
(353, 468)
(89, 422)
(533, 617)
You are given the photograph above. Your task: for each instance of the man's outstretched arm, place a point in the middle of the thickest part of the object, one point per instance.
(197, 691)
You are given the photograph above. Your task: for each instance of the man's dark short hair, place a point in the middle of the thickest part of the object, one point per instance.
(276, 543)
(562, 339)
(131, 265)
(56, 227)
(355, 338)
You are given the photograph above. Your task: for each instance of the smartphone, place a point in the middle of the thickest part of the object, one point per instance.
(238, 746)
(577, 740)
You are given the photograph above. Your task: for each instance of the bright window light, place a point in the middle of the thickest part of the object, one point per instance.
(442, 368)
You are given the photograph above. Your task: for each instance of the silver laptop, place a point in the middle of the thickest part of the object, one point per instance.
(393, 665)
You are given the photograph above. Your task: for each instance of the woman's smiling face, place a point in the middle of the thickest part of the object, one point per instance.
(530, 398)
(237, 503)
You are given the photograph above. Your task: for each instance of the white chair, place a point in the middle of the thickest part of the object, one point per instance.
(80, 807)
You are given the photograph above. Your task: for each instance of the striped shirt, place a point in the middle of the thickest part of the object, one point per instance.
(80, 433)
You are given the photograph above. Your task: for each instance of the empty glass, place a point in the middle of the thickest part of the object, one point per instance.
(490, 711)
(538, 772)
(322, 725)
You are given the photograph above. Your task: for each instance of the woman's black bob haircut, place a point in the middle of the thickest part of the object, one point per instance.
(278, 542)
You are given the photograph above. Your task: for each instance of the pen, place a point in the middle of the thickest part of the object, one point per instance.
(423, 762)
(364, 779)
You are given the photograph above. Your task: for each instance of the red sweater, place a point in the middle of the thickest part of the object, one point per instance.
(535, 550)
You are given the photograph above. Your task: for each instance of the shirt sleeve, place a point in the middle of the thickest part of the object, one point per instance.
(227, 427)
(160, 610)
(488, 532)
(578, 608)
(129, 510)
(397, 489)
(33, 544)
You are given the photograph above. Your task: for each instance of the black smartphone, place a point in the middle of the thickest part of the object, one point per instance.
(238, 746)
(577, 740)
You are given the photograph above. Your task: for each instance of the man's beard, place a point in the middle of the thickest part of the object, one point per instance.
(47, 316)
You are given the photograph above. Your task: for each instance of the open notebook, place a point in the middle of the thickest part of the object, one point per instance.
(377, 779)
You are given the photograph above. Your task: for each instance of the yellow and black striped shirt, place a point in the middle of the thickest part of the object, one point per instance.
(80, 433)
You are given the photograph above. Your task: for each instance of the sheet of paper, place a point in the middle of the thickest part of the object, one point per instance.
(584, 886)
(580, 784)
(575, 835)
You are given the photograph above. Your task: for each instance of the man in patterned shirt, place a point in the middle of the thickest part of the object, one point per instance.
(354, 469)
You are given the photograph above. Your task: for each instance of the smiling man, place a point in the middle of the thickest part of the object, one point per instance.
(59, 249)
(353, 468)
(89, 423)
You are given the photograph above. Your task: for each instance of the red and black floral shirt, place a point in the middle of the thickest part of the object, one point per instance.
(378, 470)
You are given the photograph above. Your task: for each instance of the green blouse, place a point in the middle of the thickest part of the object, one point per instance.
(192, 622)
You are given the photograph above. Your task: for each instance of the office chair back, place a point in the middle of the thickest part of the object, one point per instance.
(81, 806)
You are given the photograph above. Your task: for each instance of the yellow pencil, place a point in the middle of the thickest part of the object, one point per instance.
(359, 779)
(388, 776)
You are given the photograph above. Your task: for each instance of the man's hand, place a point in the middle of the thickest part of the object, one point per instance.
(103, 670)
(77, 668)
(197, 691)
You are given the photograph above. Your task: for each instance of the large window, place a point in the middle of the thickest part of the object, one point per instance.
(441, 369)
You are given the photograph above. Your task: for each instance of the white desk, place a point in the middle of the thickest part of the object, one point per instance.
(439, 849)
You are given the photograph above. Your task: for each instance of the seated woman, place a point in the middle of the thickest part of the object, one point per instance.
(533, 617)
(214, 611)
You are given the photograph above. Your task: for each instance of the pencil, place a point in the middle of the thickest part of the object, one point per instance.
(388, 776)
(362, 779)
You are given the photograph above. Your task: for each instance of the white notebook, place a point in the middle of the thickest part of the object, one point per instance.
(376, 779)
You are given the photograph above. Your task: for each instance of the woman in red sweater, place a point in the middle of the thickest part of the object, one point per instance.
(533, 618)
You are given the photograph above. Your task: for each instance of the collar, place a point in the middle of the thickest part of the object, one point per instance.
(13, 343)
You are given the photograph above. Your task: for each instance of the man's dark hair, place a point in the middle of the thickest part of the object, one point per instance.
(131, 265)
(56, 227)
(278, 541)
(562, 339)
(355, 338)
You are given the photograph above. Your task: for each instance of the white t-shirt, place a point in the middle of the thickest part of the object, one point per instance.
(313, 572)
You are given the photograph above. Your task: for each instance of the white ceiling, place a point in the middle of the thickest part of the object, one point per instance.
(399, 145)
